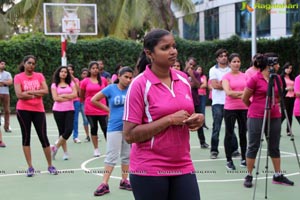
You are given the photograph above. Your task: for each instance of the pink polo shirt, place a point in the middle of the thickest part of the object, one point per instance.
(29, 83)
(65, 105)
(90, 90)
(237, 82)
(259, 86)
(202, 91)
(147, 100)
(297, 99)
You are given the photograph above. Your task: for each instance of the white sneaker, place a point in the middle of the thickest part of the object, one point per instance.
(66, 156)
(96, 153)
(76, 140)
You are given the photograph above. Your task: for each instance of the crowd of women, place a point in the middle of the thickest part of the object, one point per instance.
(149, 133)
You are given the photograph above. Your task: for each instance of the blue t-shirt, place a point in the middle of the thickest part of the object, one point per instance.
(116, 100)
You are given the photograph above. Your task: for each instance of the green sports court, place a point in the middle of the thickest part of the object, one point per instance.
(81, 174)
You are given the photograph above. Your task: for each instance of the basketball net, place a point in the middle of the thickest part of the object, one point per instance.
(71, 23)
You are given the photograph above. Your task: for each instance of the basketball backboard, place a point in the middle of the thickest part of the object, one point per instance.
(63, 18)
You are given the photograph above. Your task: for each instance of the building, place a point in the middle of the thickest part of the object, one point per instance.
(220, 19)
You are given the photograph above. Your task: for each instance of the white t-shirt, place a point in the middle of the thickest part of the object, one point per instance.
(217, 73)
(4, 76)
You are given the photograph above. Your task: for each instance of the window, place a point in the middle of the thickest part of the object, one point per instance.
(211, 20)
(292, 16)
(243, 22)
(191, 27)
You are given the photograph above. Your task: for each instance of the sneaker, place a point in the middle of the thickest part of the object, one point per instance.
(77, 141)
(214, 155)
(282, 180)
(125, 185)
(2, 144)
(30, 172)
(8, 130)
(230, 165)
(204, 146)
(204, 126)
(248, 181)
(289, 134)
(53, 151)
(52, 170)
(102, 189)
(87, 139)
(243, 163)
(66, 156)
(96, 153)
(235, 154)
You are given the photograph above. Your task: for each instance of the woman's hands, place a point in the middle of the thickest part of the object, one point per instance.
(182, 117)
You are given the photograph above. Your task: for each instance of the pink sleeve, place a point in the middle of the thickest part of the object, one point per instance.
(53, 86)
(134, 104)
(251, 84)
(83, 84)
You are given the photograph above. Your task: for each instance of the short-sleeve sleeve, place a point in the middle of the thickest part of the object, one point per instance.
(251, 84)
(212, 74)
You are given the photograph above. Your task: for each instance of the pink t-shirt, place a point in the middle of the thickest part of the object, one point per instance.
(250, 72)
(297, 100)
(66, 105)
(147, 100)
(202, 91)
(259, 86)
(237, 82)
(289, 83)
(29, 83)
(90, 90)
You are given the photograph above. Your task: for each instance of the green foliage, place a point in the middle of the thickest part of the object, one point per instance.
(113, 51)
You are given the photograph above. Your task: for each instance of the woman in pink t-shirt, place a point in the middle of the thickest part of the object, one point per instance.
(158, 114)
(234, 83)
(63, 92)
(296, 110)
(257, 87)
(88, 88)
(287, 79)
(30, 87)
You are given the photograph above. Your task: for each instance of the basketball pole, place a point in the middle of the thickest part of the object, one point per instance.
(63, 50)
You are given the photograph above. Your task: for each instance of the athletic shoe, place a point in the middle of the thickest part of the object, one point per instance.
(77, 141)
(96, 153)
(102, 189)
(30, 172)
(214, 155)
(53, 151)
(204, 146)
(8, 130)
(248, 181)
(230, 165)
(281, 179)
(87, 139)
(243, 163)
(2, 144)
(66, 156)
(125, 185)
(52, 170)
(235, 154)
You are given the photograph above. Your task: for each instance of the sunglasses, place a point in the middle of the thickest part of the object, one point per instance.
(30, 63)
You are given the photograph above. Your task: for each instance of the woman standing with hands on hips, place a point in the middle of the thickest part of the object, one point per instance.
(158, 115)
(30, 87)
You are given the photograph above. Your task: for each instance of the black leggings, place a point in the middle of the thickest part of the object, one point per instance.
(38, 119)
(289, 106)
(165, 187)
(64, 122)
(230, 117)
(93, 119)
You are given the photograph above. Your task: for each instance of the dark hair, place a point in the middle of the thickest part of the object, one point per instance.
(72, 66)
(118, 67)
(202, 73)
(261, 62)
(84, 69)
(56, 78)
(150, 41)
(122, 71)
(233, 55)
(25, 59)
(89, 74)
(254, 58)
(220, 51)
(192, 58)
(285, 66)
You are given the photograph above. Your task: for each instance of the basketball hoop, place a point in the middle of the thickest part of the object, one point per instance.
(71, 23)
(72, 35)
